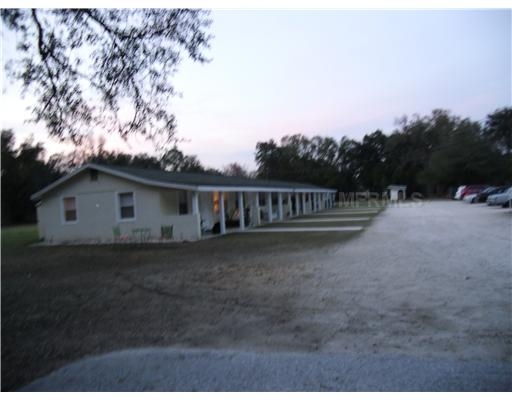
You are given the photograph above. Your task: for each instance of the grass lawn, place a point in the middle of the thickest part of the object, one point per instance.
(17, 237)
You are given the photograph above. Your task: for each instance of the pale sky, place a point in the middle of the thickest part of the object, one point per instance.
(329, 73)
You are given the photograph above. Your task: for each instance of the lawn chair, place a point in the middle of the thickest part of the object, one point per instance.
(166, 232)
(116, 231)
(142, 235)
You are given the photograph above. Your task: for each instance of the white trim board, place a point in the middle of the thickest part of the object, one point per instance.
(314, 220)
(312, 229)
(345, 213)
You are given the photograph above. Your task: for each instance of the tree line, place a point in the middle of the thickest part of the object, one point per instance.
(432, 155)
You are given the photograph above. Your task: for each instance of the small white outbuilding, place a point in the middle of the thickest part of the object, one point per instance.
(397, 192)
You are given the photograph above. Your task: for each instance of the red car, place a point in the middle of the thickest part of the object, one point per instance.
(470, 189)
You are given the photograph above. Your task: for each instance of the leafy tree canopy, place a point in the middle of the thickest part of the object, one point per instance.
(236, 169)
(24, 172)
(104, 68)
(498, 127)
(430, 154)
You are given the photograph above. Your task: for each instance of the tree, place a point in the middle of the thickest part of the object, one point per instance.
(93, 151)
(410, 146)
(89, 150)
(267, 159)
(235, 169)
(10, 176)
(370, 161)
(24, 172)
(174, 160)
(498, 128)
(464, 156)
(89, 67)
(300, 159)
(429, 154)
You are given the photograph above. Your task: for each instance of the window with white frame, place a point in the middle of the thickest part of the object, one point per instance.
(126, 206)
(69, 206)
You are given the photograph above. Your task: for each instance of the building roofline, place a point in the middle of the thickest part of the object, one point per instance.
(156, 183)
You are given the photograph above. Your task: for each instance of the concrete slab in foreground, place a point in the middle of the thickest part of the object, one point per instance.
(332, 212)
(167, 369)
(315, 220)
(308, 229)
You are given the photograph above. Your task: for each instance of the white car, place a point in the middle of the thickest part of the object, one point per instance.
(470, 197)
(458, 193)
(500, 198)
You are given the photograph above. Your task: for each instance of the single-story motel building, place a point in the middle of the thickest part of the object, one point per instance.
(103, 203)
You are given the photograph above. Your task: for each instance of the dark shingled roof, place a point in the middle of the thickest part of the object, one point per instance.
(185, 180)
(205, 179)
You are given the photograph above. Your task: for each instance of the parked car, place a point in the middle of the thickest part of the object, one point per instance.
(473, 197)
(470, 198)
(483, 195)
(500, 198)
(458, 193)
(471, 189)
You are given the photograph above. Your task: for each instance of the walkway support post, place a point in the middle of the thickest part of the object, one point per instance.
(195, 203)
(297, 205)
(241, 210)
(195, 211)
(289, 202)
(280, 206)
(268, 202)
(256, 215)
(222, 214)
(304, 211)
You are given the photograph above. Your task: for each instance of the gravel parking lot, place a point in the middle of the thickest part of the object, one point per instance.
(422, 280)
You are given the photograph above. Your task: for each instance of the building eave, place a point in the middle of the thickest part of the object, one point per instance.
(179, 186)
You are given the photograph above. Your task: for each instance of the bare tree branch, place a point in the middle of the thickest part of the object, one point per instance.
(87, 67)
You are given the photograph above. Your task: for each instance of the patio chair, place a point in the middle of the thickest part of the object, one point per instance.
(142, 235)
(116, 231)
(166, 232)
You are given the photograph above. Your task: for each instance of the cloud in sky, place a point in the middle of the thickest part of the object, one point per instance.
(275, 73)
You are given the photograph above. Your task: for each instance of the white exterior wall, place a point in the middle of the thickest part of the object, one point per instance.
(393, 192)
(206, 210)
(98, 211)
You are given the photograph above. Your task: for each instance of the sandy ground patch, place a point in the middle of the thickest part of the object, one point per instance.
(431, 279)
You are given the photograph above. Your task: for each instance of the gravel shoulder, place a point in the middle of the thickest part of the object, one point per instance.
(157, 369)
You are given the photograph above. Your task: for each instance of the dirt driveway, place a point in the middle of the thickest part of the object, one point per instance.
(420, 280)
